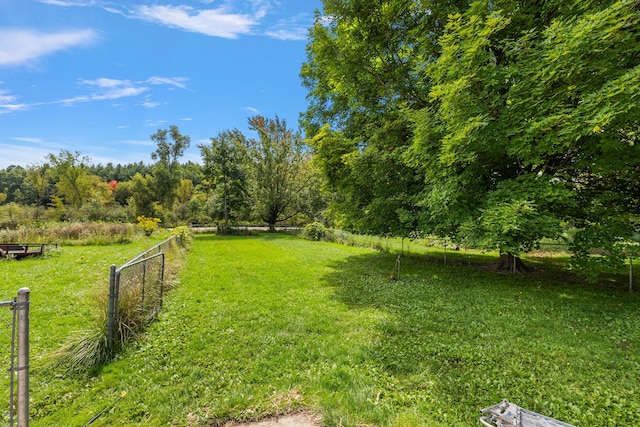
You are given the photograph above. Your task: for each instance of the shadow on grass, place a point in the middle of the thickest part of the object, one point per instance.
(456, 338)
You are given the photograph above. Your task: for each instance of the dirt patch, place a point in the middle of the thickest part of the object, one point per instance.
(303, 419)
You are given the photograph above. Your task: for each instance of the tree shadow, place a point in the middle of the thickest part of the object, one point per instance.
(467, 337)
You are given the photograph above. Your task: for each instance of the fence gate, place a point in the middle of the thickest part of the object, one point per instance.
(19, 358)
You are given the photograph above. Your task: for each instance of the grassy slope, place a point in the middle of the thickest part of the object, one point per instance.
(265, 325)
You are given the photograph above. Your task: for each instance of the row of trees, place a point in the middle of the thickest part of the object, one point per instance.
(494, 122)
(268, 179)
(497, 122)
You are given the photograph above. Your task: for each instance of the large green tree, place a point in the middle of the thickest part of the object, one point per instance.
(365, 67)
(283, 182)
(167, 172)
(532, 124)
(226, 169)
(70, 171)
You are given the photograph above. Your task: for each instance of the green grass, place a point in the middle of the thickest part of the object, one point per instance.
(67, 287)
(271, 324)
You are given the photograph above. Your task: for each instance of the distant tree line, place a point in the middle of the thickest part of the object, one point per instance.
(267, 180)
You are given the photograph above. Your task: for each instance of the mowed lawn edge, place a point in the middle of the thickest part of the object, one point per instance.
(265, 325)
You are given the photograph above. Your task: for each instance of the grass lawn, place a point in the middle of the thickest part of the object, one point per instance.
(266, 325)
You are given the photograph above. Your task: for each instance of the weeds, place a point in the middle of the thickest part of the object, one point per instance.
(141, 288)
(76, 234)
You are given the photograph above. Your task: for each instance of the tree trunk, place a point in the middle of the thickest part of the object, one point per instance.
(513, 264)
(272, 227)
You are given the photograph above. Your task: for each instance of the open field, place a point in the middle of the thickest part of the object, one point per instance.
(268, 325)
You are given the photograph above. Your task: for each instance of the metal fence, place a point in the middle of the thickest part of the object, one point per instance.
(135, 291)
(18, 410)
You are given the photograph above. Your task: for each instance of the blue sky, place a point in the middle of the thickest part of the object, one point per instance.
(100, 77)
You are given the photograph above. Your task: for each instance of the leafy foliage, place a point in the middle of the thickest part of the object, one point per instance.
(284, 183)
(148, 225)
(227, 169)
(167, 170)
(364, 69)
(492, 122)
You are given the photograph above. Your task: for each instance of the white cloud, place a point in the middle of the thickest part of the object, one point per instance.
(21, 154)
(67, 3)
(154, 123)
(252, 110)
(109, 95)
(212, 22)
(110, 89)
(8, 103)
(299, 33)
(107, 83)
(25, 139)
(293, 28)
(174, 81)
(113, 89)
(20, 46)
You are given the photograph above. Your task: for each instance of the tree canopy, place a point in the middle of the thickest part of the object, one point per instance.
(227, 170)
(283, 180)
(498, 122)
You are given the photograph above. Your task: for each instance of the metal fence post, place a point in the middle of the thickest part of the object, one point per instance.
(162, 279)
(111, 311)
(23, 357)
(144, 283)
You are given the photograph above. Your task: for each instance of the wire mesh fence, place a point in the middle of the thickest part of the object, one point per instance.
(136, 290)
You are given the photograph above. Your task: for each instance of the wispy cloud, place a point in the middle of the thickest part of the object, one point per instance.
(293, 28)
(154, 123)
(8, 103)
(69, 3)
(20, 46)
(26, 139)
(173, 81)
(218, 22)
(297, 33)
(110, 89)
(107, 89)
(22, 154)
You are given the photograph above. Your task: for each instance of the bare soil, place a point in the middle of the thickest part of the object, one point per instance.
(303, 419)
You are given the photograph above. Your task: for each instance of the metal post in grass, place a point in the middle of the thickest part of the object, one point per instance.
(144, 283)
(445, 251)
(111, 310)
(630, 274)
(22, 307)
(162, 278)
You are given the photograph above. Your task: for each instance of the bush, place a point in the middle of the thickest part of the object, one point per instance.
(184, 235)
(315, 231)
(148, 225)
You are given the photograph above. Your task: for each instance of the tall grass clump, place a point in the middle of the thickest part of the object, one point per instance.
(83, 351)
(72, 234)
(139, 301)
(318, 232)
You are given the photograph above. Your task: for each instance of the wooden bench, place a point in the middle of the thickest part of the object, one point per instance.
(17, 250)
